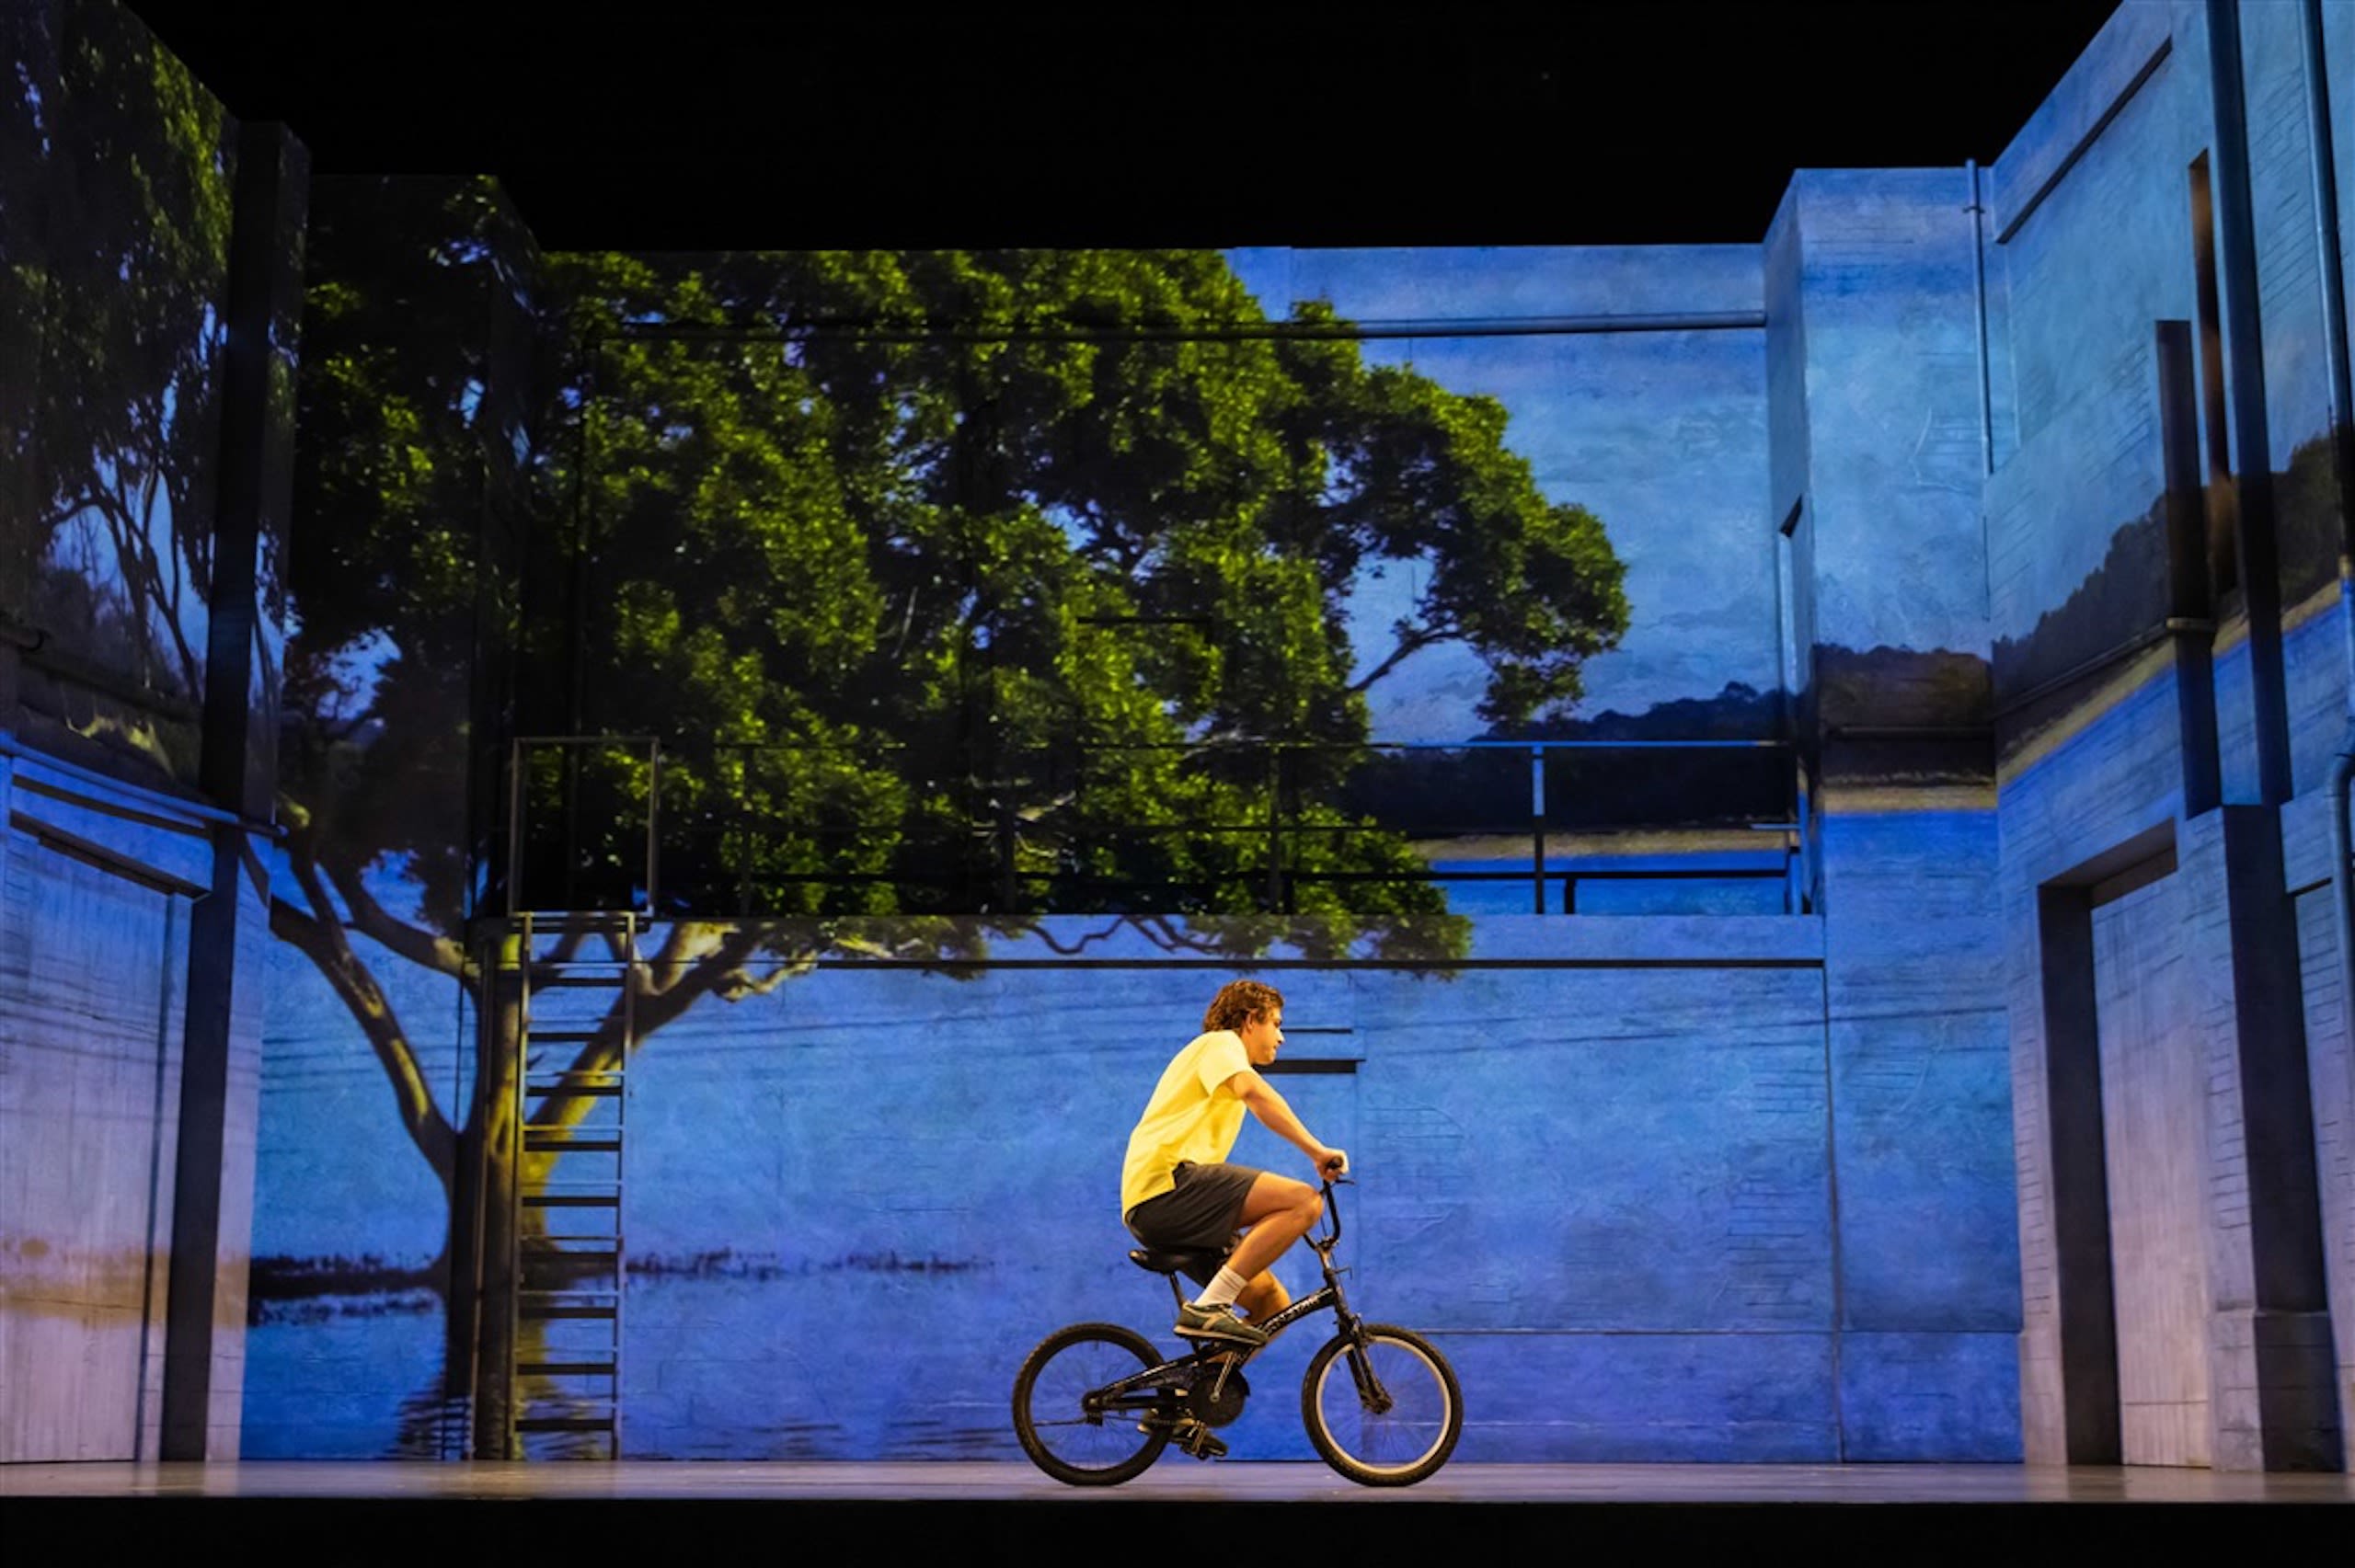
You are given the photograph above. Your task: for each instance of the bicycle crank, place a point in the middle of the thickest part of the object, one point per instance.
(1220, 1400)
(1200, 1441)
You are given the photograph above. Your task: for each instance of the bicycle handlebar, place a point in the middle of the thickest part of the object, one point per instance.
(1332, 1210)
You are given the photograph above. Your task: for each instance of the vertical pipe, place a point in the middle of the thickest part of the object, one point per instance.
(744, 828)
(514, 825)
(1275, 891)
(2322, 160)
(2252, 443)
(2342, 882)
(653, 823)
(160, 1107)
(2189, 612)
(1978, 212)
(1537, 823)
(264, 275)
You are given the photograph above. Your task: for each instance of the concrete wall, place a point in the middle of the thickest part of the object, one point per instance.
(150, 241)
(1708, 1187)
(93, 969)
(2155, 1152)
(1603, 1179)
(2090, 242)
(1876, 461)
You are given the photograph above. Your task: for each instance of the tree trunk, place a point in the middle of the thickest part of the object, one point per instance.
(484, 1313)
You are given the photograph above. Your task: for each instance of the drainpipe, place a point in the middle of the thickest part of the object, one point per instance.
(2332, 266)
(2342, 444)
(2342, 880)
(1978, 211)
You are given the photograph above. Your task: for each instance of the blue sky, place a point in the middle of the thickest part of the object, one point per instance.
(1661, 434)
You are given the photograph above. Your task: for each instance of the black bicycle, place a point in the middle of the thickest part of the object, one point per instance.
(1095, 1404)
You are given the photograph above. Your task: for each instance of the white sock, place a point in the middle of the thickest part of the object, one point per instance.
(1222, 1290)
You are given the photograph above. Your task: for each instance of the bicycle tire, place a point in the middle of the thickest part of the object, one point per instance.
(1123, 1452)
(1398, 1448)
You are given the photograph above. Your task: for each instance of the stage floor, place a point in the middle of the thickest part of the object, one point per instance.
(417, 1515)
(1175, 1479)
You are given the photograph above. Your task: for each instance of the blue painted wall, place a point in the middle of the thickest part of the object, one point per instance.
(1612, 1188)
(2089, 242)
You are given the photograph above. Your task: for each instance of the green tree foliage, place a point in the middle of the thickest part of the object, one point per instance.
(1061, 541)
(113, 259)
(414, 465)
(961, 588)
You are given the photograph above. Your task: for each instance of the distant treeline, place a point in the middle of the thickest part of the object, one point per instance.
(2127, 594)
(1436, 794)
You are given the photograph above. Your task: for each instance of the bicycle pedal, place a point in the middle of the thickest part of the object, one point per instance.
(1202, 1443)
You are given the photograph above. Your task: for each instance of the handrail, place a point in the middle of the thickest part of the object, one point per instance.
(741, 821)
(940, 329)
(1235, 743)
(520, 746)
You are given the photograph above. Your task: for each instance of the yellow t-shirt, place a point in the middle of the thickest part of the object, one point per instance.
(1193, 1116)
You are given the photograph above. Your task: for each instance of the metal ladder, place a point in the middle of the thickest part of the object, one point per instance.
(570, 1267)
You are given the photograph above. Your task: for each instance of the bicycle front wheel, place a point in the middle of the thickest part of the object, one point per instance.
(1383, 1409)
(1063, 1436)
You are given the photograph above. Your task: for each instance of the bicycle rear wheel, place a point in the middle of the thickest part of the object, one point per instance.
(1070, 1442)
(1398, 1428)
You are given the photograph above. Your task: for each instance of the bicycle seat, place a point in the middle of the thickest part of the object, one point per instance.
(1160, 1262)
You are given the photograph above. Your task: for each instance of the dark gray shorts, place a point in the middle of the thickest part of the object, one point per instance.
(1200, 1214)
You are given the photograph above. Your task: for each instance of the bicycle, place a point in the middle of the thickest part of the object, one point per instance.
(1095, 1405)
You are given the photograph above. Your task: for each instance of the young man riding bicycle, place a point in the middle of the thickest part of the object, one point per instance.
(1177, 1194)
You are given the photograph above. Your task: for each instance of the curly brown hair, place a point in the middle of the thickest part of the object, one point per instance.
(1239, 1002)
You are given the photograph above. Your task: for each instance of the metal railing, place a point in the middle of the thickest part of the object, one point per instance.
(569, 748)
(1014, 839)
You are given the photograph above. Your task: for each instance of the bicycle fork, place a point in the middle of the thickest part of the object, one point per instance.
(1371, 1394)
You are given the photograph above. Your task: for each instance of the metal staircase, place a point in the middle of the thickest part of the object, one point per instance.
(569, 1263)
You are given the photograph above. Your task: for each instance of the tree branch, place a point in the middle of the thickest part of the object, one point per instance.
(738, 985)
(719, 951)
(1411, 639)
(1157, 929)
(320, 939)
(1069, 949)
(371, 920)
(685, 946)
(87, 500)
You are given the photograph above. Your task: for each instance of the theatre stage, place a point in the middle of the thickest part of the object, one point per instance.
(437, 1515)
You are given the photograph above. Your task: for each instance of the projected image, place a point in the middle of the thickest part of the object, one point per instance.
(119, 167)
(2066, 599)
(952, 665)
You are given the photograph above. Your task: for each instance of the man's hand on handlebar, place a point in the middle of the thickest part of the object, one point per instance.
(1331, 1163)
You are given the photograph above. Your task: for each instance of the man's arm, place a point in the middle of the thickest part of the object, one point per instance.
(1261, 1097)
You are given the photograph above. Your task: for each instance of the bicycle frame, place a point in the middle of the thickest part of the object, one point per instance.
(1179, 1375)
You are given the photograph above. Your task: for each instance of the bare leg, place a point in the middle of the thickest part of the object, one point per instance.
(1263, 1298)
(1280, 1211)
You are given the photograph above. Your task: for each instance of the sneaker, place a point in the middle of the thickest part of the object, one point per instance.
(1217, 1323)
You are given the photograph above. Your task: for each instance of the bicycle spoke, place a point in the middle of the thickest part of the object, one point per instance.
(1058, 1429)
(1396, 1439)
